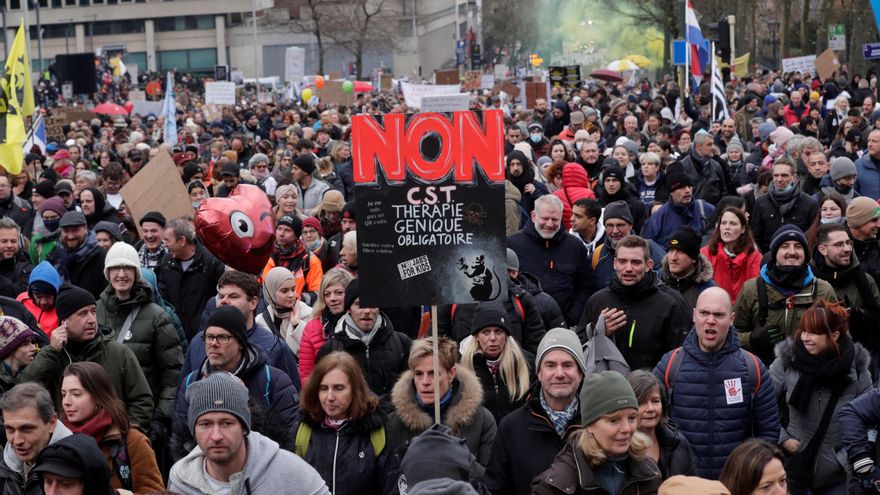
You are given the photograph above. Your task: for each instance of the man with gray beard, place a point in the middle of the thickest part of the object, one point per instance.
(557, 258)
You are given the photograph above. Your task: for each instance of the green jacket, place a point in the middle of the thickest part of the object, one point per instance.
(120, 362)
(152, 338)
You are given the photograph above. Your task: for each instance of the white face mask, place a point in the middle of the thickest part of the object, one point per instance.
(578, 145)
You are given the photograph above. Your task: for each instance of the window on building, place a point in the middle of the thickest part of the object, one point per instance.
(184, 23)
(14, 4)
(196, 60)
(119, 27)
(137, 58)
(56, 4)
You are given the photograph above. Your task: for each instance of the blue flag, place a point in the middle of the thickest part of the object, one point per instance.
(170, 112)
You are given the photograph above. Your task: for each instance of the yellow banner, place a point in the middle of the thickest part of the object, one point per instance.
(16, 102)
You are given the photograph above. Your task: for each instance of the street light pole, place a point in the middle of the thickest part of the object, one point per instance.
(256, 60)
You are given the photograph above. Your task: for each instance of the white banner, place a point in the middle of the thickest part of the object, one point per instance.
(446, 103)
(144, 108)
(294, 63)
(804, 65)
(221, 93)
(413, 93)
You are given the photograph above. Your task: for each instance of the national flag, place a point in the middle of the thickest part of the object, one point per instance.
(169, 111)
(719, 106)
(37, 137)
(696, 43)
(16, 102)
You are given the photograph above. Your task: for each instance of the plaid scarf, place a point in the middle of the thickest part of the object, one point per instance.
(150, 259)
(560, 419)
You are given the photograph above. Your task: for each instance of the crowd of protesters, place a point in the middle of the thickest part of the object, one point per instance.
(731, 263)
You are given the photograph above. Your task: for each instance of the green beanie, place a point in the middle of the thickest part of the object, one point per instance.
(605, 393)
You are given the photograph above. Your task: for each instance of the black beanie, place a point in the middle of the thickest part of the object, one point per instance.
(352, 292)
(687, 241)
(292, 221)
(436, 453)
(616, 172)
(229, 318)
(306, 163)
(70, 300)
(486, 315)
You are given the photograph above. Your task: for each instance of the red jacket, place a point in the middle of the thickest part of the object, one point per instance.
(731, 274)
(309, 345)
(575, 186)
(48, 320)
(793, 118)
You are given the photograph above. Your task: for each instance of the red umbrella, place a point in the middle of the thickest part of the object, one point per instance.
(606, 75)
(110, 109)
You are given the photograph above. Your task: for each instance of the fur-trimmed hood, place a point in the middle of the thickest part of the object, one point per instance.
(701, 275)
(460, 413)
(785, 353)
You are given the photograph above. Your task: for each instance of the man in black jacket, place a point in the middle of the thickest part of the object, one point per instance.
(784, 203)
(78, 258)
(15, 266)
(557, 258)
(530, 437)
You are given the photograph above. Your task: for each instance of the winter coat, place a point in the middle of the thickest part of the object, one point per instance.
(120, 362)
(47, 320)
(575, 186)
(868, 177)
(630, 196)
(12, 481)
(345, 458)
(512, 211)
(145, 475)
(313, 338)
(856, 418)
(307, 268)
(676, 455)
(670, 217)
(310, 198)
(18, 271)
(524, 447)
(19, 210)
(551, 315)
(496, 397)
(656, 319)
(269, 470)
(151, 337)
(382, 361)
(710, 184)
(767, 217)
(604, 270)
(291, 327)
(860, 297)
(793, 116)
(277, 353)
(560, 263)
(731, 273)
(826, 188)
(868, 253)
(830, 465)
(571, 474)
(778, 315)
(189, 290)
(17, 310)
(655, 193)
(87, 274)
(267, 387)
(525, 324)
(692, 285)
(466, 416)
(699, 407)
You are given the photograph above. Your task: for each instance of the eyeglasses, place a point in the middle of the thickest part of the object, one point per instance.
(220, 339)
(840, 244)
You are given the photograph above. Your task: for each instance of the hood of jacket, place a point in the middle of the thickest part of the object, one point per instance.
(529, 283)
(189, 472)
(702, 274)
(511, 192)
(574, 176)
(45, 272)
(460, 413)
(11, 460)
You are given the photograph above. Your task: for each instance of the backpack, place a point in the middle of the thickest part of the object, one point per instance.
(304, 435)
(764, 305)
(601, 353)
(754, 374)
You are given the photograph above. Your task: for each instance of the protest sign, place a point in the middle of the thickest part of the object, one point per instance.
(136, 95)
(264, 98)
(511, 89)
(212, 112)
(144, 108)
(430, 207)
(472, 80)
(500, 71)
(157, 187)
(446, 103)
(332, 93)
(448, 76)
(221, 93)
(386, 82)
(535, 90)
(487, 81)
(294, 63)
(804, 65)
(55, 127)
(413, 93)
(827, 64)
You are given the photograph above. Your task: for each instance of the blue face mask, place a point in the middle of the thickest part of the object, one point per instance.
(195, 204)
(788, 188)
(832, 220)
(536, 138)
(52, 225)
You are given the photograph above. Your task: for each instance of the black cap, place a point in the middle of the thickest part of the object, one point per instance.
(677, 180)
(231, 319)
(153, 216)
(687, 241)
(305, 162)
(348, 211)
(292, 221)
(352, 292)
(230, 170)
(63, 187)
(486, 315)
(70, 300)
(73, 219)
(45, 189)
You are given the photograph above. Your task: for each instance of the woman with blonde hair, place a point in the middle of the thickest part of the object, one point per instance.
(327, 310)
(497, 360)
(609, 455)
(286, 202)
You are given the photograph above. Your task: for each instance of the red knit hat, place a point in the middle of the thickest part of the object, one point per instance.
(314, 223)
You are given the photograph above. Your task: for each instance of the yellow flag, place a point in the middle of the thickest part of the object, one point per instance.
(16, 102)
(741, 64)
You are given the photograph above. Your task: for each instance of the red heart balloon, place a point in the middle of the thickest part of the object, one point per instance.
(239, 229)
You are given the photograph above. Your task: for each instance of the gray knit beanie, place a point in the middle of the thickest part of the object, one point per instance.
(218, 392)
(563, 339)
(605, 393)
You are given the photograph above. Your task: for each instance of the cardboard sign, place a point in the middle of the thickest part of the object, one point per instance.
(804, 65)
(472, 80)
(510, 88)
(55, 127)
(221, 93)
(413, 93)
(446, 103)
(211, 112)
(157, 187)
(535, 90)
(448, 76)
(332, 93)
(430, 206)
(386, 82)
(827, 64)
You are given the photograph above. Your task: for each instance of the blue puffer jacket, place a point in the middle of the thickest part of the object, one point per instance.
(670, 217)
(561, 265)
(699, 405)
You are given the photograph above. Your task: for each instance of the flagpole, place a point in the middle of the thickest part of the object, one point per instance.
(687, 52)
(712, 78)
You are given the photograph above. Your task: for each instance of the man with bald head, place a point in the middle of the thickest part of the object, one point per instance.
(719, 394)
